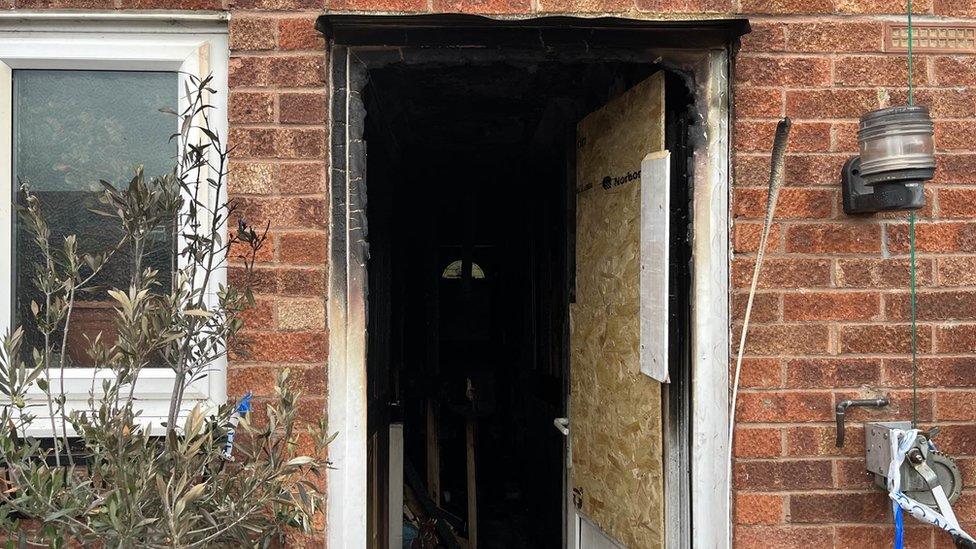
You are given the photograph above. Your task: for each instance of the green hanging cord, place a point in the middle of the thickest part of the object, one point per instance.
(911, 241)
(911, 60)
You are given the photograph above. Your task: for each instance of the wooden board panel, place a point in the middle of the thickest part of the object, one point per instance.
(615, 410)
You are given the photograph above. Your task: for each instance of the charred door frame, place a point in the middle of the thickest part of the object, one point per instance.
(701, 49)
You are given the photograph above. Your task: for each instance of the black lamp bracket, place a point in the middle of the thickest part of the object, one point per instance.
(859, 197)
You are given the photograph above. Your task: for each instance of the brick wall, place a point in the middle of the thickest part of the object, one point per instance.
(831, 316)
(832, 313)
(277, 117)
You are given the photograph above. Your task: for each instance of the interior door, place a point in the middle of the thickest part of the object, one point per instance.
(615, 409)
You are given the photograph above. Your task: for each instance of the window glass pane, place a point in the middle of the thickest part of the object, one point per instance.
(71, 129)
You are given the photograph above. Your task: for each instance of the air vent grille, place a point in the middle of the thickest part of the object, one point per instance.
(933, 38)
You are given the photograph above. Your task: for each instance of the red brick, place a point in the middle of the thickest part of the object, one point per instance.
(277, 143)
(302, 108)
(783, 273)
(834, 37)
(877, 339)
(782, 537)
(792, 203)
(955, 8)
(251, 177)
(258, 317)
(957, 439)
(881, 273)
(968, 468)
(301, 282)
(287, 281)
(752, 170)
(286, 212)
(252, 142)
(303, 248)
(782, 71)
(948, 102)
(814, 169)
(839, 507)
(834, 238)
(794, 474)
(844, 137)
(877, 70)
(882, 537)
(831, 103)
(801, 169)
(758, 508)
(263, 280)
(896, 7)
(957, 203)
(65, 4)
(948, 305)
(957, 271)
(821, 441)
(261, 380)
(280, 71)
(745, 237)
(765, 37)
(955, 70)
(758, 442)
(954, 135)
(816, 373)
(299, 34)
(482, 6)
(956, 405)
(957, 338)
(304, 143)
(787, 6)
(851, 474)
(282, 5)
(252, 33)
(804, 136)
(784, 407)
(245, 107)
(377, 5)
(765, 307)
(248, 71)
(170, 4)
(785, 339)
(305, 178)
(758, 102)
(761, 372)
(680, 6)
(932, 371)
(831, 306)
(584, 6)
(933, 237)
(282, 347)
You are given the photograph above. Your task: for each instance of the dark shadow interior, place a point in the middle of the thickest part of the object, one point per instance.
(471, 193)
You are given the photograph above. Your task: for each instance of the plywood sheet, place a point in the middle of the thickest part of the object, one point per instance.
(615, 410)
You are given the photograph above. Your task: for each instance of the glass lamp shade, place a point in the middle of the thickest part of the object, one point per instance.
(896, 144)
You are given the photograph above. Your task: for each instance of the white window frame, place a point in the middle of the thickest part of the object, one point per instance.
(189, 43)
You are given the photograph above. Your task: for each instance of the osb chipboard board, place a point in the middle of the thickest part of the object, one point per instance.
(615, 410)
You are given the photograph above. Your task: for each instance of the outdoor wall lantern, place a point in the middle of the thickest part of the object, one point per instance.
(897, 156)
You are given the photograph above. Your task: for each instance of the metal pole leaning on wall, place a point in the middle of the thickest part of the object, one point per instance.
(776, 175)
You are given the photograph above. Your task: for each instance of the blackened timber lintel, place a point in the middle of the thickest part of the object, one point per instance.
(464, 30)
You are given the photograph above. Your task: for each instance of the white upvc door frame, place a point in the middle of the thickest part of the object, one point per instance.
(118, 41)
(710, 480)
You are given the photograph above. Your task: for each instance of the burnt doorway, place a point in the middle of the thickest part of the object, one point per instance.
(471, 225)
(467, 82)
